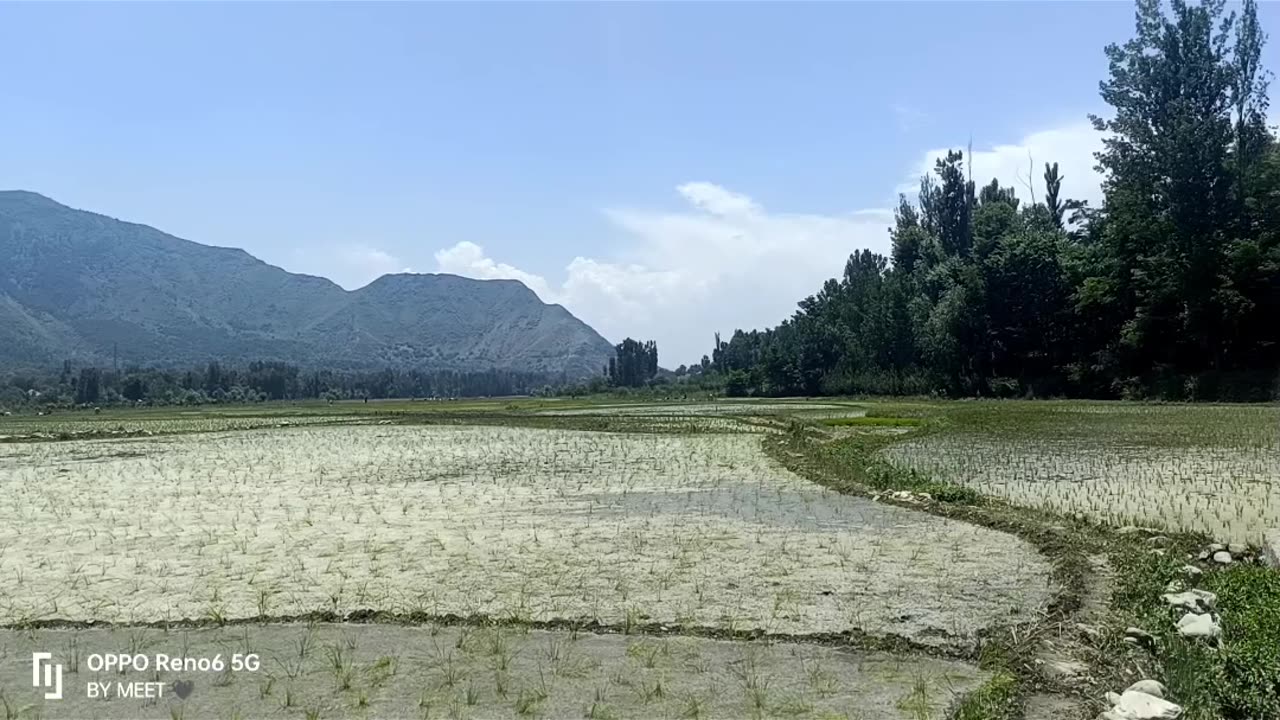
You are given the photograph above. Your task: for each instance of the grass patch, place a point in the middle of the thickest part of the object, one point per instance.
(852, 462)
(995, 700)
(869, 421)
(1239, 681)
(1248, 667)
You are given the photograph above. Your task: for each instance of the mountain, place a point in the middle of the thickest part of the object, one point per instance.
(77, 285)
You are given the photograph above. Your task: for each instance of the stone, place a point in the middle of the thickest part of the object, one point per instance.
(1139, 634)
(1141, 706)
(1204, 555)
(1112, 698)
(1237, 548)
(1151, 687)
(1217, 547)
(1271, 547)
(1192, 571)
(1139, 637)
(1158, 540)
(1089, 631)
(1064, 668)
(1222, 557)
(1197, 601)
(1196, 625)
(1175, 586)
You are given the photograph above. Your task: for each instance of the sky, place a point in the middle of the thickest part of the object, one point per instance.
(663, 170)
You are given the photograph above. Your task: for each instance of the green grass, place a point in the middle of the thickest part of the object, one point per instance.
(870, 421)
(1239, 681)
(995, 700)
(852, 462)
(1090, 423)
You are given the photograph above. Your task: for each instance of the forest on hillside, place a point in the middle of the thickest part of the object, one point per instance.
(1170, 289)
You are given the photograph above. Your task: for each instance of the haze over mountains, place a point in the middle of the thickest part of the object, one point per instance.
(78, 285)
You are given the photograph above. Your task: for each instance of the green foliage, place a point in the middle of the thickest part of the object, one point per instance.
(1170, 289)
(254, 382)
(996, 699)
(1241, 679)
(634, 363)
(1248, 681)
(854, 460)
(873, 422)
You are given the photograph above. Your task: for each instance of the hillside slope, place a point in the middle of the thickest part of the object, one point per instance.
(78, 285)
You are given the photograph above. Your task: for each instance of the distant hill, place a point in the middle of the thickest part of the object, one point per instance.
(73, 284)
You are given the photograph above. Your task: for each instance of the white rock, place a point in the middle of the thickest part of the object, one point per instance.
(1271, 547)
(1222, 557)
(1216, 547)
(1204, 555)
(1237, 548)
(1193, 625)
(1138, 633)
(1197, 601)
(1113, 698)
(1141, 706)
(1151, 687)
(1191, 571)
(1175, 586)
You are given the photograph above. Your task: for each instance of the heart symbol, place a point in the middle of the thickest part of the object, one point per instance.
(183, 688)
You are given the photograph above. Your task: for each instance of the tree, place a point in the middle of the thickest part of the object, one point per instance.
(634, 363)
(87, 387)
(1171, 287)
(1053, 189)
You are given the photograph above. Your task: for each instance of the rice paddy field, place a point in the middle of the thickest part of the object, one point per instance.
(570, 558)
(486, 521)
(1213, 469)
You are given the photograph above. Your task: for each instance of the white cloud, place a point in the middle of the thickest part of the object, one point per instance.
(1071, 146)
(468, 259)
(351, 266)
(725, 262)
(722, 263)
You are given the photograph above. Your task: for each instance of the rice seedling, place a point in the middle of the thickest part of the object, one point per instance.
(1203, 469)
(511, 523)
(680, 523)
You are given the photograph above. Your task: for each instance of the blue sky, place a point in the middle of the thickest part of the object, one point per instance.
(663, 170)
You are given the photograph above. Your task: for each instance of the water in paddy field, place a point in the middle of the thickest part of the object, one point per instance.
(1232, 494)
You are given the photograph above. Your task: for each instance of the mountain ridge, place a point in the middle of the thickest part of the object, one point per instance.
(79, 285)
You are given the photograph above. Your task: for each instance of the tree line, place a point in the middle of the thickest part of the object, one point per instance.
(254, 382)
(1171, 288)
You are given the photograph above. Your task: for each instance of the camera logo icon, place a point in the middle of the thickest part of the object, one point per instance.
(52, 675)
